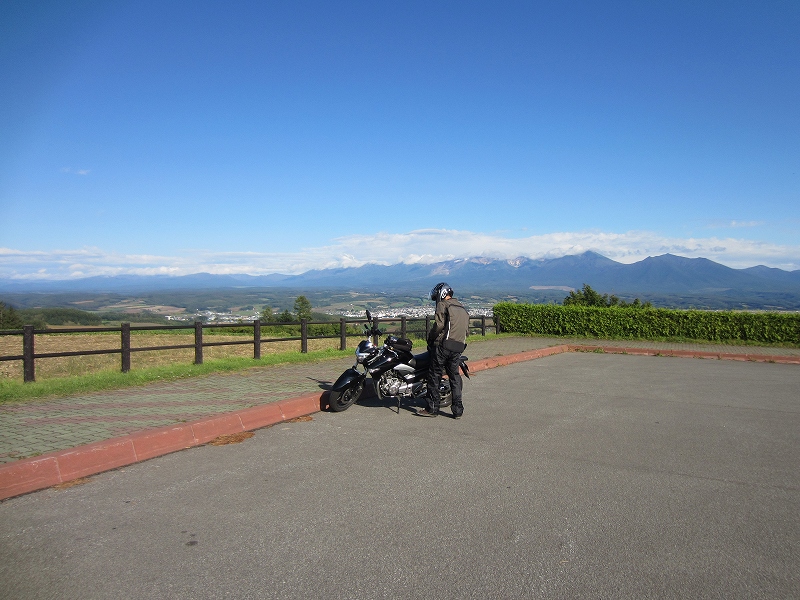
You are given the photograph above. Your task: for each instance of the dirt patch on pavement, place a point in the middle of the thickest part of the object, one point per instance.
(73, 483)
(300, 419)
(233, 438)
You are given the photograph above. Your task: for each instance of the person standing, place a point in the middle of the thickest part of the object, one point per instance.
(446, 341)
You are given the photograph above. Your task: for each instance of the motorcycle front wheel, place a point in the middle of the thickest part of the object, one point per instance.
(340, 401)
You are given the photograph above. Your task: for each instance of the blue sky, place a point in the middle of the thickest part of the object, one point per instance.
(256, 137)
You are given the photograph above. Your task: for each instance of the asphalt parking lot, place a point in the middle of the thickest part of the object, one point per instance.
(574, 476)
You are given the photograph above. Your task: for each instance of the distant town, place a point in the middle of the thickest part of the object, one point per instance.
(411, 312)
(209, 316)
(414, 312)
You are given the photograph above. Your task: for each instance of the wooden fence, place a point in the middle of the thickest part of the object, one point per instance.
(394, 325)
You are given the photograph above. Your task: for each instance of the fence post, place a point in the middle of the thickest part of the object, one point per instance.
(342, 334)
(28, 366)
(427, 325)
(198, 342)
(497, 328)
(257, 339)
(125, 329)
(303, 336)
(402, 326)
(375, 338)
(483, 325)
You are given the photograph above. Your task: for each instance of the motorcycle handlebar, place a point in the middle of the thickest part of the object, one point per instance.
(370, 329)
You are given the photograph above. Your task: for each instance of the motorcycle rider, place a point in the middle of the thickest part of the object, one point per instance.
(446, 341)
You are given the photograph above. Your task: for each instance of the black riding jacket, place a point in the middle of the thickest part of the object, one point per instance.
(451, 323)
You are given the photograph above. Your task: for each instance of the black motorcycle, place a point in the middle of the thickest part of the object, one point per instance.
(395, 372)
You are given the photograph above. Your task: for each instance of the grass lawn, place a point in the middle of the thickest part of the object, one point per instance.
(15, 390)
(69, 376)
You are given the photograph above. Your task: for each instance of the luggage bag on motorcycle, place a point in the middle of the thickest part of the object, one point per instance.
(403, 344)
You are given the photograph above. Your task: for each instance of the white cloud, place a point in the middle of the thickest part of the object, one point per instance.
(734, 224)
(420, 246)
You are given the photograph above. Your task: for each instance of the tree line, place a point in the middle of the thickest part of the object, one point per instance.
(40, 318)
(302, 310)
(586, 296)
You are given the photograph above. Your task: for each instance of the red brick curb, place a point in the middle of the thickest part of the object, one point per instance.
(786, 360)
(509, 359)
(50, 469)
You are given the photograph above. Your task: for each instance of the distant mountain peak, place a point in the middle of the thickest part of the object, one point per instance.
(664, 274)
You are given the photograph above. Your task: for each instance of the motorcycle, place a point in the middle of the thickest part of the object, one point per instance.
(395, 372)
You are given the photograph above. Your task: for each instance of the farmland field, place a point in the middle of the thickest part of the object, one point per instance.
(81, 365)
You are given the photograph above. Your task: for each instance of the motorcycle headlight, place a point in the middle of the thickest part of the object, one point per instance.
(364, 350)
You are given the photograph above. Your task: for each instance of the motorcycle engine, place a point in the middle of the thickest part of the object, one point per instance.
(391, 385)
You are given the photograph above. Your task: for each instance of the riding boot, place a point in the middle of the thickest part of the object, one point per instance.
(457, 409)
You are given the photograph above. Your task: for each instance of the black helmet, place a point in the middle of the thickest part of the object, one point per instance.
(441, 291)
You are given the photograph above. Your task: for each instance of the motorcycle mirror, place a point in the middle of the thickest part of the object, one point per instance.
(369, 316)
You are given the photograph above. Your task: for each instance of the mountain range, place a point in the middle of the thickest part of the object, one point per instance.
(665, 274)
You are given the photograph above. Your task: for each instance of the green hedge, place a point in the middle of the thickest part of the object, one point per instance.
(654, 323)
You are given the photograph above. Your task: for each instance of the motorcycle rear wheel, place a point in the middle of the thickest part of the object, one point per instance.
(445, 394)
(339, 401)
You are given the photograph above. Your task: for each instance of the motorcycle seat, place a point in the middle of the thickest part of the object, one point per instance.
(421, 361)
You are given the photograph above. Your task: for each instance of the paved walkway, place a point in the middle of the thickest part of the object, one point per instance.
(35, 427)
(578, 476)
